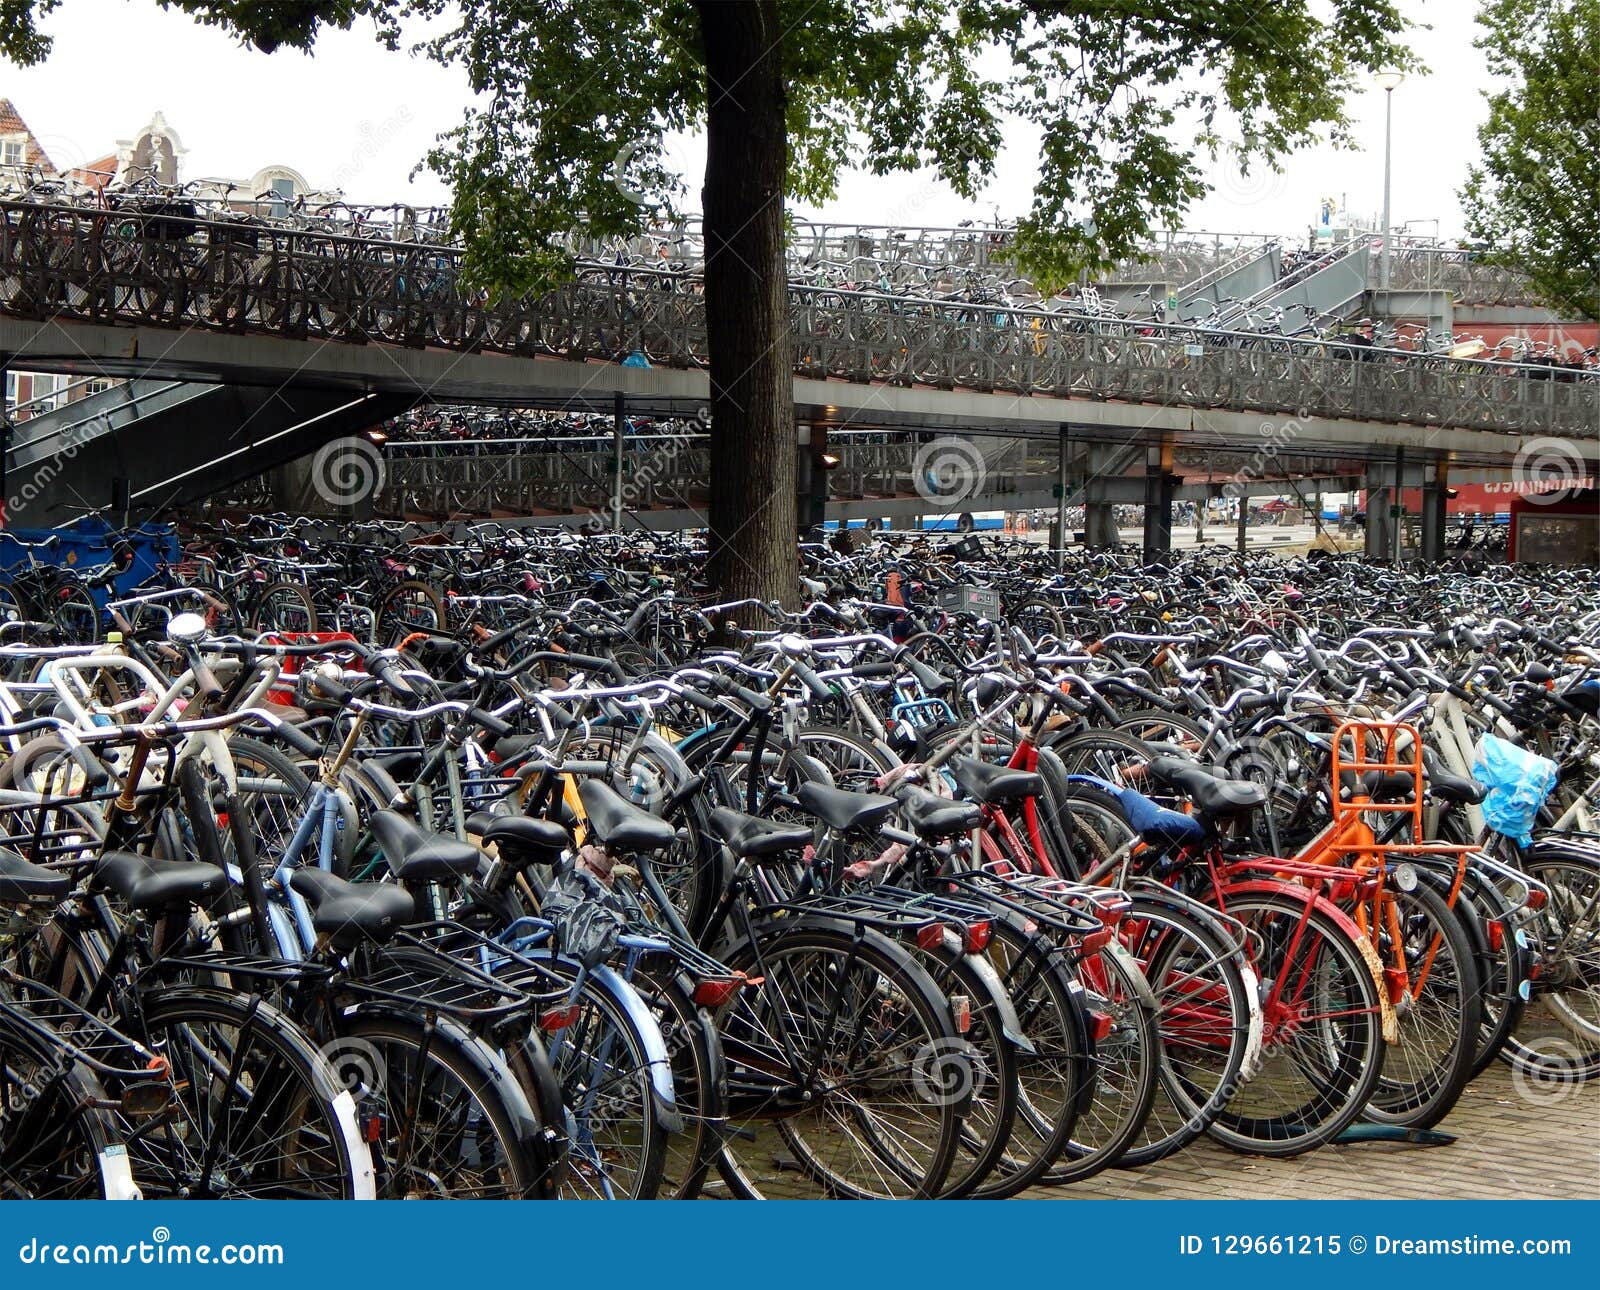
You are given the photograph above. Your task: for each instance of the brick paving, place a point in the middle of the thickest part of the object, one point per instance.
(1510, 1145)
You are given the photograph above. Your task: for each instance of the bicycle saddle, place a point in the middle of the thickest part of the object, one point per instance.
(1456, 788)
(415, 855)
(22, 880)
(351, 912)
(932, 817)
(1380, 785)
(523, 839)
(839, 808)
(750, 837)
(1213, 796)
(157, 884)
(985, 782)
(617, 823)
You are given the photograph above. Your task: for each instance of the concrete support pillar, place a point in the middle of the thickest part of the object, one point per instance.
(1435, 491)
(1158, 485)
(1059, 537)
(811, 480)
(1099, 519)
(1398, 506)
(618, 423)
(1380, 529)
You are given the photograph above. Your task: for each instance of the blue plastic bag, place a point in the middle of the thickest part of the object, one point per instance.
(1518, 782)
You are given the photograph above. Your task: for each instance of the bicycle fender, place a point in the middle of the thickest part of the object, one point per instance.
(1269, 887)
(1141, 986)
(485, 1061)
(1010, 1023)
(658, 1061)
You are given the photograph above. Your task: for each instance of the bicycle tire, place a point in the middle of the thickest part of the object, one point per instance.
(834, 1161)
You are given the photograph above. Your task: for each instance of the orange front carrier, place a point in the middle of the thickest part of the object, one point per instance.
(1382, 748)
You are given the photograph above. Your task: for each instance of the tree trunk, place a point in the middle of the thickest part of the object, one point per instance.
(747, 305)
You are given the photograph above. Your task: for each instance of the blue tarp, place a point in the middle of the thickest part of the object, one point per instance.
(87, 543)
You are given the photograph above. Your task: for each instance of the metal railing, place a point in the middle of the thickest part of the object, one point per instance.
(63, 261)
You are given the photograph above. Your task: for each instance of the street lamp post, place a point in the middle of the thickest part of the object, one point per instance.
(1388, 81)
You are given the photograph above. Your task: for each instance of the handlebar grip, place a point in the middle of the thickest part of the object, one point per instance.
(808, 678)
(298, 739)
(1340, 688)
(874, 671)
(328, 688)
(758, 701)
(702, 701)
(1498, 704)
(592, 663)
(1408, 676)
(491, 723)
(386, 671)
(95, 775)
(1255, 702)
(1059, 697)
(926, 676)
(207, 688)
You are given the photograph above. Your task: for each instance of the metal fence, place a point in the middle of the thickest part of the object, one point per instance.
(173, 271)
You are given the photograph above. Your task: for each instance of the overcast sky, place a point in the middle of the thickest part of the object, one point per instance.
(356, 117)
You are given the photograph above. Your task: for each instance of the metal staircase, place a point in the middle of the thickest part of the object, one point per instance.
(171, 442)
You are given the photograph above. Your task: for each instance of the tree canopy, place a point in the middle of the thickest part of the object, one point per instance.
(1134, 101)
(1533, 198)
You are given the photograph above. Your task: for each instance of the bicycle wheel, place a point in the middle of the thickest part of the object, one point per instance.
(992, 1056)
(259, 1111)
(1127, 1054)
(618, 1136)
(1055, 1080)
(1203, 1013)
(1505, 959)
(847, 1077)
(445, 1115)
(1559, 1038)
(699, 1081)
(408, 607)
(75, 614)
(284, 607)
(854, 761)
(57, 1142)
(274, 794)
(1323, 1048)
(1439, 1015)
(691, 869)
